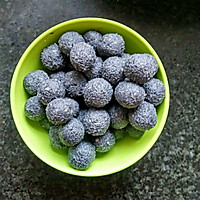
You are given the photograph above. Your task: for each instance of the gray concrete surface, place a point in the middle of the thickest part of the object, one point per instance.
(171, 169)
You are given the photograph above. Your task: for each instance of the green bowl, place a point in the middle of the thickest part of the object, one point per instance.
(127, 151)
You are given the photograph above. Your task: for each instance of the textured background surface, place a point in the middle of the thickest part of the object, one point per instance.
(171, 170)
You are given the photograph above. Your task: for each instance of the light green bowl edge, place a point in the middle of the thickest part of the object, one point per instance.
(109, 171)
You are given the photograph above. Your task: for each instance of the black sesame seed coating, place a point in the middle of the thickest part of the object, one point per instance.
(54, 137)
(68, 40)
(52, 58)
(34, 109)
(74, 84)
(144, 117)
(74, 105)
(133, 132)
(82, 56)
(33, 81)
(113, 70)
(119, 133)
(72, 133)
(105, 142)
(81, 156)
(92, 38)
(140, 68)
(96, 69)
(125, 55)
(118, 116)
(59, 111)
(129, 95)
(111, 44)
(60, 76)
(49, 90)
(155, 90)
(98, 92)
(81, 115)
(45, 123)
(96, 122)
(127, 80)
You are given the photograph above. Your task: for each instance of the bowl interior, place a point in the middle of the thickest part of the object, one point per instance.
(125, 152)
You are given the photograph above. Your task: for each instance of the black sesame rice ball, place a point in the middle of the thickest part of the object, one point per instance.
(82, 56)
(49, 90)
(74, 84)
(60, 76)
(34, 109)
(155, 90)
(96, 69)
(118, 116)
(52, 58)
(33, 81)
(45, 123)
(59, 111)
(112, 44)
(96, 122)
(144, 117)
(81, 156)
(133, 132)
(54, 138)
(105, 142)
(68, 40)
(92, 38)
(113, 70)
(98, 92)
(140, 68)
(129, 95)
(119, 133)
(72, 133)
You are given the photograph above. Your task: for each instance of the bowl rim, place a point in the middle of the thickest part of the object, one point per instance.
(108, 171)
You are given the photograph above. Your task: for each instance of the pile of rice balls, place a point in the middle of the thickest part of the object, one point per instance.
(92, 94)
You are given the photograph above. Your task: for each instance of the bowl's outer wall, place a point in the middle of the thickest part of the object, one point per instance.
(127, 151)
